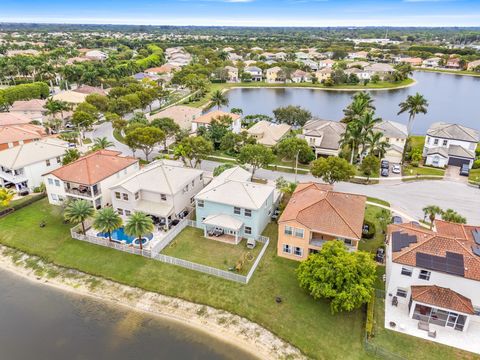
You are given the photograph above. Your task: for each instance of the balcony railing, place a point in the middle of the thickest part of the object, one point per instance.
(81, 190)
(320, 242)
(10, 176)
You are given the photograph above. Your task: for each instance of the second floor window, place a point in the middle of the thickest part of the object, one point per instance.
(57, 182)
(47, 162)
(200, 203)
(236, 210)
(424, 275)
(137, 195)
(435, 142)
(406, 271)
(125, 197)
(445, 142)
(248, 212)
(50, 181)
(163, 197)
(288, 230)
(299, 233)
(117, 195)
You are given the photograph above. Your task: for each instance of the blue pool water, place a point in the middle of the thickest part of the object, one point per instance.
(119, 235)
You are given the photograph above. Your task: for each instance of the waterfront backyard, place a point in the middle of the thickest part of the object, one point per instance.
(306, 323)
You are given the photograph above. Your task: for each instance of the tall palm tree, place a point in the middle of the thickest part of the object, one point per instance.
(101, 143)
(139, 224)
(414, 105)
(78, 211)
(106, 220)
(432, 211)
(219, 99)
(6, 196)
(375, 143)
(361, 103)
(352, 138)
(366, 123)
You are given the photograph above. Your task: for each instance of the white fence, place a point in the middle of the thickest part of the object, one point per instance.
(155, 250)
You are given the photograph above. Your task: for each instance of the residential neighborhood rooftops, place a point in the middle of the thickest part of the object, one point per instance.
(442, 297)
(453, 131)
(392, 129)
(208, 117)
(22, 132)
(8, 118)
(94, 167)
(268, 133)
(28, 105)
(32, 152)
(182, 115)
(329, 131)
(166, 176)
(233, 186)
(448, 250)
(342, 214)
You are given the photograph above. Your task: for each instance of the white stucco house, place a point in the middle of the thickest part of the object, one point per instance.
(432, 283)
(22, 166)
(255, 73)
(162, 189)
(450, 144)
(89, 178)
(206, 119)
(396, 135)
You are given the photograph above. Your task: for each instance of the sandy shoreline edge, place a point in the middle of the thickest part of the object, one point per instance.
(225, 326)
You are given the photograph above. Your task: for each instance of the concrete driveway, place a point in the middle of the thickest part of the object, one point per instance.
(452, 173)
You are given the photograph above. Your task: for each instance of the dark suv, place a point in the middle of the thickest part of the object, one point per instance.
(464, 170)
(384, 164)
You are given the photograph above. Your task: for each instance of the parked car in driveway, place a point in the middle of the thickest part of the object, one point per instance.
(384, 172)
(396, 169)
(380, 255)
(384, 164)
(464, 170)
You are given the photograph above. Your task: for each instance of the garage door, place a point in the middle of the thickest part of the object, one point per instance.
(457, 161)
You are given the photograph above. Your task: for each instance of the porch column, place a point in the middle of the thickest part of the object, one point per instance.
(204, 230)
(412, 309)
(17, 187)
(166, 222)
(236, 237)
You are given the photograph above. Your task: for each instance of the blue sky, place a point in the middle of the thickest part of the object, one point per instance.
(247, 12)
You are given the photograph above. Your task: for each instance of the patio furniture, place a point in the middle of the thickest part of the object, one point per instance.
(423, 325)
(432, 334)
(394, 301)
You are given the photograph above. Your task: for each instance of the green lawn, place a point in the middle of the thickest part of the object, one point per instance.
(454, 72)
(192, 246)
(372, 214)
(422, 170)
(304, 322)
(417, 142)
(18, 201)
(378, 201)
(474, 175)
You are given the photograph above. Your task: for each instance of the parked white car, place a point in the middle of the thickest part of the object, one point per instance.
(396, 169)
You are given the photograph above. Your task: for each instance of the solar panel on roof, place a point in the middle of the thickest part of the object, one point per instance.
(476, 236)
(401, 240)
(476, 250)
(452, 263)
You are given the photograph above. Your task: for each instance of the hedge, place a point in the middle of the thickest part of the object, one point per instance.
(369, 324)
(36, 90)
(23, 204)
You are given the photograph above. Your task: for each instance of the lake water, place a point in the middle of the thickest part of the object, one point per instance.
(38, 322)
(452, 98)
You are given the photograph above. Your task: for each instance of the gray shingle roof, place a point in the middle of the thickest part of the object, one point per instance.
(453, 131)
(459, 151)
(392, 129)
(330, 132)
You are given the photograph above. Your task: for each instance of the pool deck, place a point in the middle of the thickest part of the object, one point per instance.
(157, 236)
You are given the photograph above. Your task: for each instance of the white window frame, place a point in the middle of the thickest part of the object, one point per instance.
(50, 181)
(288, 230)
(247, 212)
(237, 210)
(400, 292)
(287, 249)
(200, 203)
(248, 230)
(406, 271)
(296, 232)
(424, 275)
(295, 248)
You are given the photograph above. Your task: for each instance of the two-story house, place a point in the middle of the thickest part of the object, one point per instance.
(275, 75)
(22, 166)
(432, 282)
(14, 135)
(238, 206)
(268, 133)
(89, 178)
(206, 119)
(316, 214)
(163, 189)
(395, 134)
(450, 144)
(255, 73)
(323, 136)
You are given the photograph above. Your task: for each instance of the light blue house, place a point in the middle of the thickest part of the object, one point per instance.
(234, 204)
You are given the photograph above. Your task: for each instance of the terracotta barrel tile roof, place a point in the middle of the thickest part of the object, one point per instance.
(92, 168)
(208, 117)
(442, 297)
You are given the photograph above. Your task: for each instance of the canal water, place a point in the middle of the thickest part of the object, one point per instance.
(452, 98)
(39, 322)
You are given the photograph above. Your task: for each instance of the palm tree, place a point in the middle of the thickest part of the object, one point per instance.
(70, 156)
(78, 211)
(375, 143)
(431, 211)
(101, 143)
(352, 137)
(139, 224)
(366, 123)
(414, 104)
(452, 216)
(362, 102)
(6, 196)
(218, 99)
(107, 220)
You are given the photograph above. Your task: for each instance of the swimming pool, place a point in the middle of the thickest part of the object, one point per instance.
(119, 235)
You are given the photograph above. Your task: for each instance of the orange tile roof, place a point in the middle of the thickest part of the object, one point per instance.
(442, 297)
(208, 117)
(13, 133)
(95, 167)
(323, 210)
(438, 244)
(165, 68)
(13, 119)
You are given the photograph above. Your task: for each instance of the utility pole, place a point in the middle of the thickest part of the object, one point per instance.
(296, 165)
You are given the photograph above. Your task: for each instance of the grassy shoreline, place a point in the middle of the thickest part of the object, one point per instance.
(452, 72)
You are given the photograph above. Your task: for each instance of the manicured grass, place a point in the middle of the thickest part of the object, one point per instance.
(18, 201)
(304, 322)
(191, 245)
(378, 201)
(417, 142)
(474, 175)
(117, 134)
(409, 347)
(372, 214)
(422, 170)
(447, 71)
